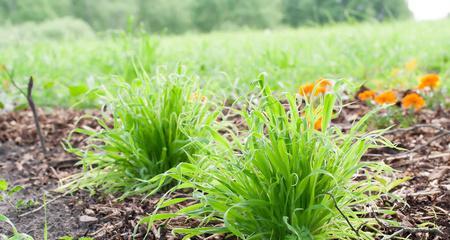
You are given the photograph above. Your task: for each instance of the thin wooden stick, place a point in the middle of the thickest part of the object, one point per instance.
(413, 230)
(35, 115)
(29, 97)
(429, 141)
(405, 229)
(42, 206)
(415, 127)
(343, 215)
(410, 152)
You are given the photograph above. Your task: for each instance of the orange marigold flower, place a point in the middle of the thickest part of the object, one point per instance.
(324, 82)
(320, 90)
(306, 89)
(388, 97)
(413, 100)
(318, 124)
(429, 81)
(411, 65)
(323, 85)
(366, 95)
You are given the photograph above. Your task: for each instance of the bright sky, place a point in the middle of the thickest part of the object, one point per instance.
(429, 9)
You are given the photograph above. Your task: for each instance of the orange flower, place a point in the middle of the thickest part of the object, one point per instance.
(413, 100)
(324, 82)
(388, 97)
(319, 88)
(411, 65)
(366, 95)
(429, 81)
(318, 124)
(323, 86)
(306, 89)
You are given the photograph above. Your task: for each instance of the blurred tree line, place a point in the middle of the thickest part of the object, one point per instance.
(176, 16)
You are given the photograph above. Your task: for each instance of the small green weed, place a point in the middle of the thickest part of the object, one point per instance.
(5, 193)
(16, 235)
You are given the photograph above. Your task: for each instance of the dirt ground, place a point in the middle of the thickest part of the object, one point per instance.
(426, 161)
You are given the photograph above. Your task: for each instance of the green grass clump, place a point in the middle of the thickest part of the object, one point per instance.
(157, 124)
(284, 179)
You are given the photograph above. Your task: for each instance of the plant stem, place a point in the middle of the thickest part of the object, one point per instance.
(343, 215)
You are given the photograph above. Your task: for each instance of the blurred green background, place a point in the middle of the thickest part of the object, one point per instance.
(175, 16)
(77, 49)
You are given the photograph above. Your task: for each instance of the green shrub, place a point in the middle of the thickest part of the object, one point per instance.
(157, 124)
(284, 179)
(55, 29)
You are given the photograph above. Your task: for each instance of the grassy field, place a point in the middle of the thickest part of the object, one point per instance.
(227, 62)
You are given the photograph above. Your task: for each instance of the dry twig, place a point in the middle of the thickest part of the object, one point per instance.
(411, 152)
(413, 230)
(40, 207)
(393, 131)
(343, 215)
(35, 114)
(405, 229)
(415, 160)
(29, 97)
